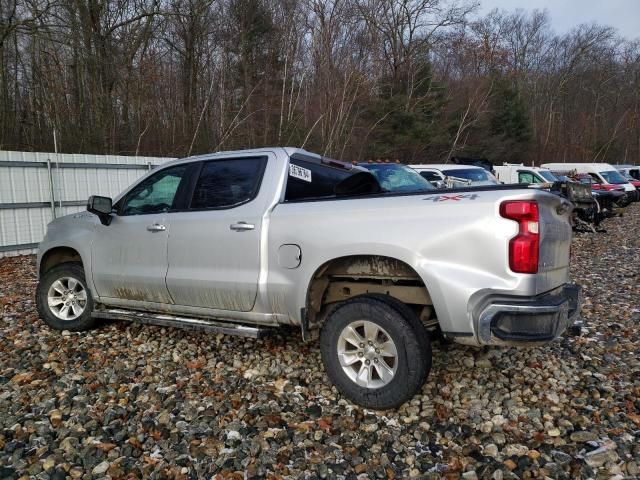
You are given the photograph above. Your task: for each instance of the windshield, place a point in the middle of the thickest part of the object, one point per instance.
(547, 175)
(398, 178)
(613, 176)
(473, 174)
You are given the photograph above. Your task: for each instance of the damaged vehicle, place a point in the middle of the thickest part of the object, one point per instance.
(243, 242)
(613, 201)
(588, 212)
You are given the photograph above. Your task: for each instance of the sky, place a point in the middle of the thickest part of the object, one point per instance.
(624, 15)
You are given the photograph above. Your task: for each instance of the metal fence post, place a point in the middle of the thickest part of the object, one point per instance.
(51, 191)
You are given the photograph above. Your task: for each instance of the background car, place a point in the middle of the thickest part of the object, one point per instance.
(604, 175)
(456, 175)
(631, 170)
(396, 177)
(520, 173)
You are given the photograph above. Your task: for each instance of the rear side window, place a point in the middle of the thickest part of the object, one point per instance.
(228, 183)
(311, 180)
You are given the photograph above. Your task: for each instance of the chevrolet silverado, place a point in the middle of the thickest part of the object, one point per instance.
(240, 242)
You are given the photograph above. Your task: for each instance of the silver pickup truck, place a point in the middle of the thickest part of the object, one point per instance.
(239, 242)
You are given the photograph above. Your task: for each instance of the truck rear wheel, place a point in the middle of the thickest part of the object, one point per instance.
(63, 299)
(376, 351)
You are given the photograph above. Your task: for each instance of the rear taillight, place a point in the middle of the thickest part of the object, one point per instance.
(525, 246)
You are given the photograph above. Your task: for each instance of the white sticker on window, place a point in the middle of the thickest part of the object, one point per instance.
(298, 172)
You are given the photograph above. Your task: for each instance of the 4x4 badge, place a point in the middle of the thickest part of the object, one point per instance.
(455, 198)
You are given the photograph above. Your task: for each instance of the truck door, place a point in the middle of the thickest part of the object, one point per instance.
(129, 256)
(214, 244)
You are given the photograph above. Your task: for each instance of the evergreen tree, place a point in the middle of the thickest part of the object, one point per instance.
(408, 105)
(509, 128)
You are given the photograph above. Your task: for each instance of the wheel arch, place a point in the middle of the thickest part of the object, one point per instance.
(57, 255)
(348, 276)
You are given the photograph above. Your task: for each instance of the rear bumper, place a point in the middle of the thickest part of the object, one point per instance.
(530, 320)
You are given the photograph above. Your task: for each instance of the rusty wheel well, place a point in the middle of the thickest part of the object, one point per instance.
(56, 256)
(346, 277)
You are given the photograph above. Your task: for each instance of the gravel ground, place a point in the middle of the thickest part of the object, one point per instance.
(131, 401)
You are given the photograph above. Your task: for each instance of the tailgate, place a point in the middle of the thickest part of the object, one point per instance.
(555, 242)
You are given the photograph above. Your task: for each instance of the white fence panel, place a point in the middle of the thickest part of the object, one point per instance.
(28, 180)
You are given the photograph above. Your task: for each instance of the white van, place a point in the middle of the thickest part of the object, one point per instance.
(627, 171)
(520, 173)
(460, 175)
(601, 173)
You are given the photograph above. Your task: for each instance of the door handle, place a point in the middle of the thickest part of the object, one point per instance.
(156, 227)
(242, 226)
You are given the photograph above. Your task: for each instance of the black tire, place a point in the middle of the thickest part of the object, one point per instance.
(71, 270)
(405, 330)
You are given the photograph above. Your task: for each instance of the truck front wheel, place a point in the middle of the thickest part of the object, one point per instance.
(376, 351)
(63, 300)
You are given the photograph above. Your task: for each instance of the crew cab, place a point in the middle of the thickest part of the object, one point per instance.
(242, 242)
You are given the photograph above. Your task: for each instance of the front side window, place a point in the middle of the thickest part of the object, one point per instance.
(527, 177)
(155, 194)
(228, 183)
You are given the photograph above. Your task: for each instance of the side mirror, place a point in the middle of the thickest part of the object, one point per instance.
(440, 184)
(100, 206)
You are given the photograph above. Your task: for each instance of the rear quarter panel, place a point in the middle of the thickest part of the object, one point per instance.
(459, 247)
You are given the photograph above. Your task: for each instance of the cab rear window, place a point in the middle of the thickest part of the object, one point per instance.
(307, 180)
